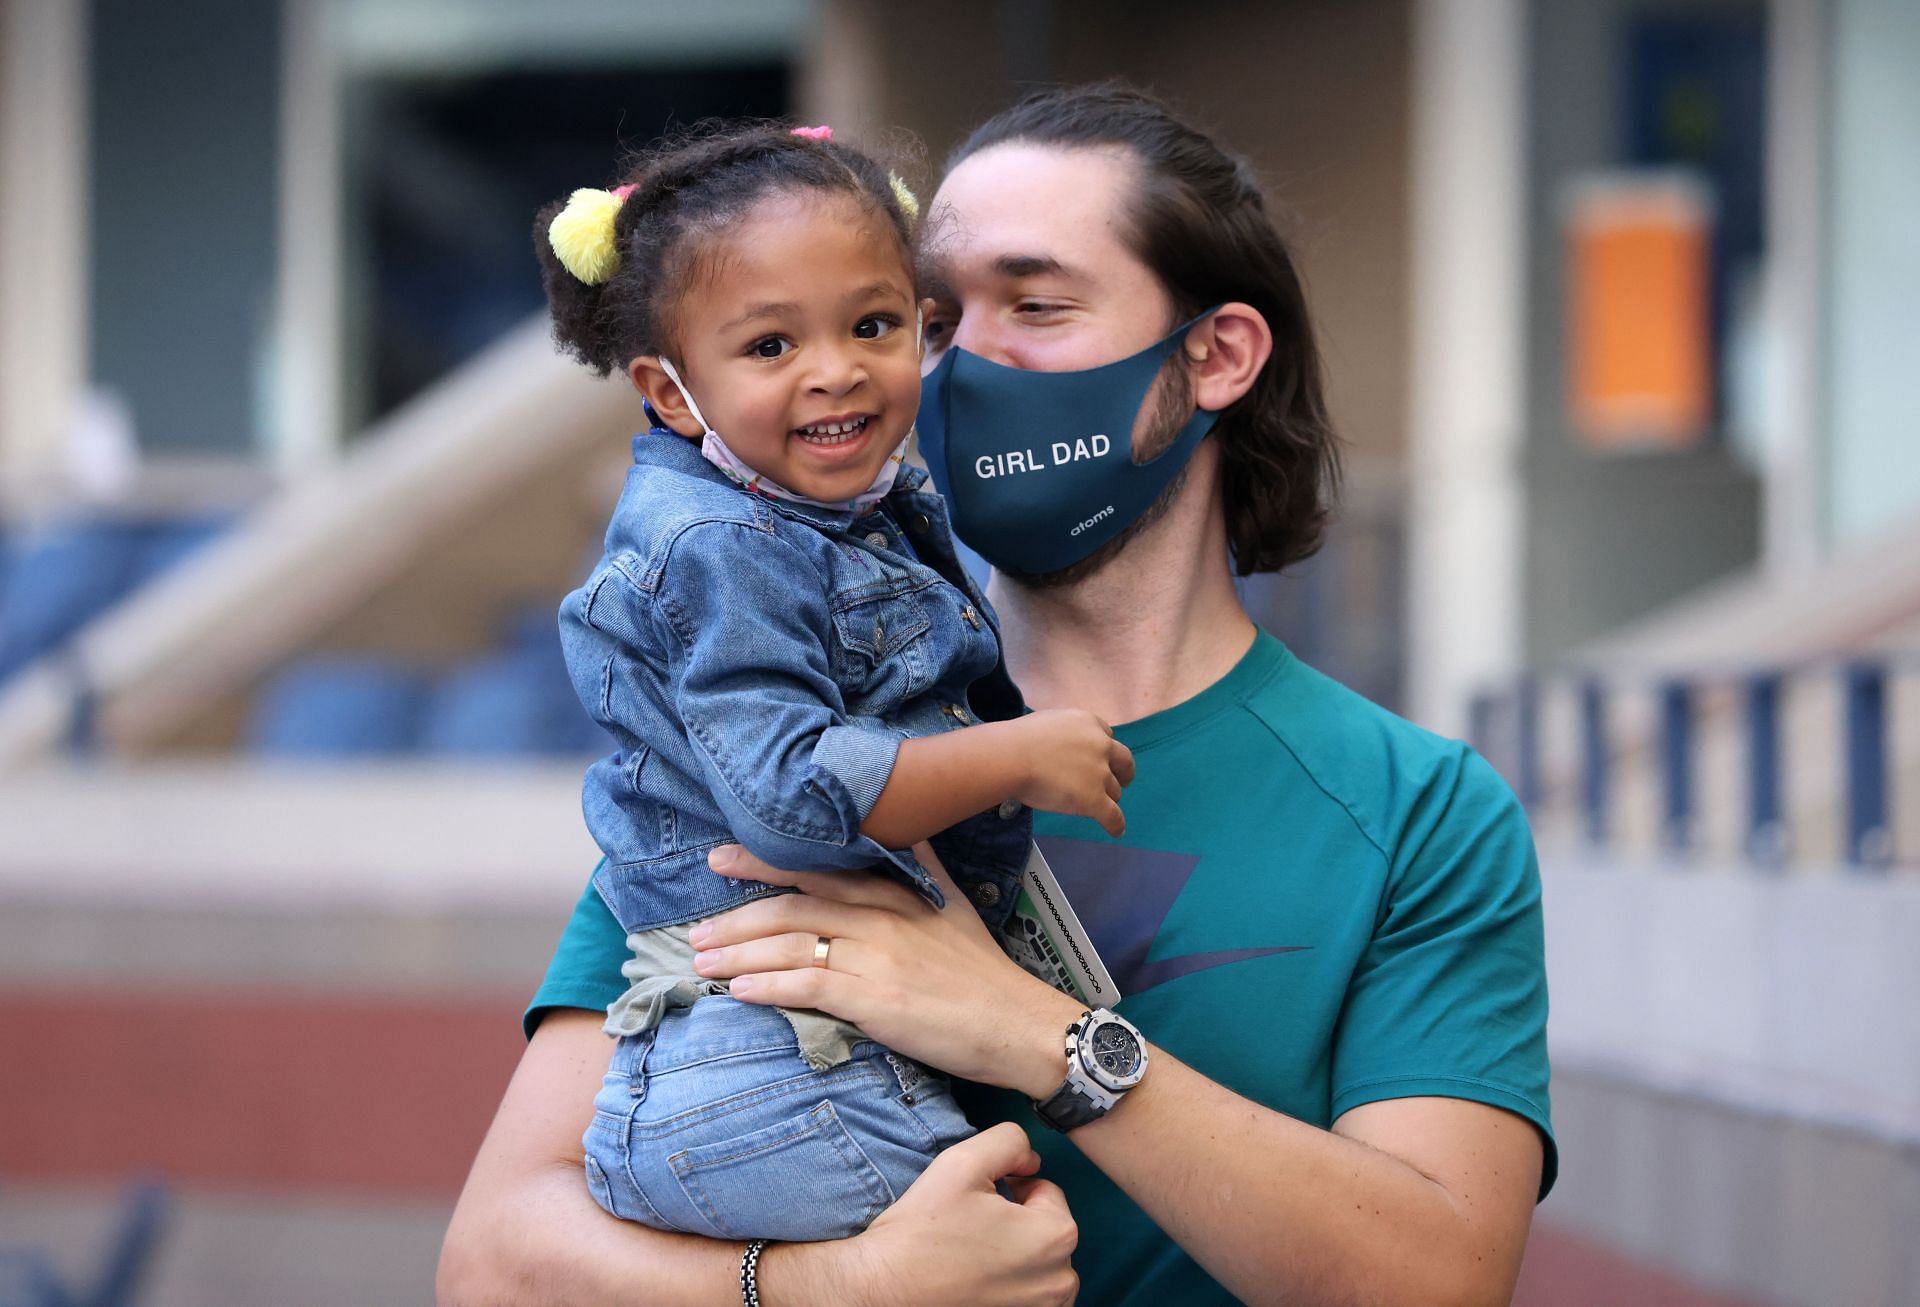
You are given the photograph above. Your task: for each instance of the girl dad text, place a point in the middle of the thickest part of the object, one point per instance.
(989, 466)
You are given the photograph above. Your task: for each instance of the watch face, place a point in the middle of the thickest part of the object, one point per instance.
(1113, 1050)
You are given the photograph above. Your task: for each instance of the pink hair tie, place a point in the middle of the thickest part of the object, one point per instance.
(820, 133)
(622, 192)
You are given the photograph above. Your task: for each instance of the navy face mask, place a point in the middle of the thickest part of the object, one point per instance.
(1037, 467)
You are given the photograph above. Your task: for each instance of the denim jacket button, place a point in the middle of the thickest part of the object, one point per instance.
(986, 894)
(1009, 810)
(921, 524)
(878, 539)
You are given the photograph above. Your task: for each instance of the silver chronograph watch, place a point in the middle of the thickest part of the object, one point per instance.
(1105, 1058)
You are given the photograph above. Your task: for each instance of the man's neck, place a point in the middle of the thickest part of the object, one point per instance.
(1154, 627)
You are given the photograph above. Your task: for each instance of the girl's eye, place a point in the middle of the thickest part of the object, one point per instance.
(876, 326)
(770, 347)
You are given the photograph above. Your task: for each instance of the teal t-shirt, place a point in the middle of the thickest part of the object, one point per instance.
(1316, 904)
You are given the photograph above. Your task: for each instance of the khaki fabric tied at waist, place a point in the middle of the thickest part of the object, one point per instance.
(662, 978)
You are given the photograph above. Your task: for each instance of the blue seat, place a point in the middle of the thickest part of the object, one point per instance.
(340, 707)
(535, 632)
(163, 544)
(535, 629)
(512, 704)
(57, 579)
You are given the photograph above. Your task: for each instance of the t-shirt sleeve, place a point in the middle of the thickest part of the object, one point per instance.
(1450, 997)
(585, 970)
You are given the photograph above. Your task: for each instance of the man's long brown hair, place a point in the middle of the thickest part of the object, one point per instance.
(1198, 220)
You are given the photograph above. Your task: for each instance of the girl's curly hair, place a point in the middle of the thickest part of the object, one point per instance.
(688, 188)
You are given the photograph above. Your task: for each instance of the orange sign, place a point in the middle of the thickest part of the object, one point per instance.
(1639, 333)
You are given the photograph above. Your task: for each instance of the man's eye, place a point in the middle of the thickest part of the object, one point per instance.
(1035, 308)
(875, 326)
(770, 347)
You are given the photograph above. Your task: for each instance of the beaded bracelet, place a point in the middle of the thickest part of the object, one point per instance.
(750, 1273)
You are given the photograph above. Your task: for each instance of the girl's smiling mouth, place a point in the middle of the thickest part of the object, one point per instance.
(835, 431)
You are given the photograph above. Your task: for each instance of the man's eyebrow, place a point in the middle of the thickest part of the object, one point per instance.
(1017, 266)
(762, 311)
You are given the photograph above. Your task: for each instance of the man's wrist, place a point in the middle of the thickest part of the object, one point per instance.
(803, 1274)
(1043, 1045)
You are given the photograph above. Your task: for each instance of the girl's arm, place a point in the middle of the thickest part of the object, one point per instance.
(1060, 759)
(797, 779)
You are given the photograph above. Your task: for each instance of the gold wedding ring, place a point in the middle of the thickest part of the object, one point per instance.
(821, 947)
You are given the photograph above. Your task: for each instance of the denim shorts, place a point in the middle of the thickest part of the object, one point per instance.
(712, 1123)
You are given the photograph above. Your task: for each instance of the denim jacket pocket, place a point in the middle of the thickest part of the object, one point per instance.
(877, 652)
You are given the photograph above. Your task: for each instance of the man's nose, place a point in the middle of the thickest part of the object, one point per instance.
(977, 333)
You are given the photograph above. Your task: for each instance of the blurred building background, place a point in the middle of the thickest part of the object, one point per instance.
(1621, 304)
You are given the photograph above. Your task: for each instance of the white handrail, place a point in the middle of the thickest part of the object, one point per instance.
(256, 595)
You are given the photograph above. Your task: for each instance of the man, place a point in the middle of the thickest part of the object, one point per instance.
(1325, 921)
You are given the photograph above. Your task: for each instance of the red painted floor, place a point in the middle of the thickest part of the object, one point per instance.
(1564, 1271)
(309, 1094)
(270, 1091)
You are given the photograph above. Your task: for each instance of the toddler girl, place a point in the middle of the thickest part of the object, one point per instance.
(787, 654)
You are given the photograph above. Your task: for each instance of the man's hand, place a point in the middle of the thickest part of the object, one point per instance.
(952, 1239)
(1074, 766)
(931, 984)
(527, 1234)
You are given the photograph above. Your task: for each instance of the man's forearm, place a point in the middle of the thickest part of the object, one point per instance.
(1280, 1211)
(526, 1233)
(546, 1244)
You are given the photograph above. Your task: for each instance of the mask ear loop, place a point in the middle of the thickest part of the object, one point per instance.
(685, 394)
(912, 439)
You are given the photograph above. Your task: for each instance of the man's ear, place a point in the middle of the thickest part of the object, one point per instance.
(1225, 354)
(924, 310)
(657, 388)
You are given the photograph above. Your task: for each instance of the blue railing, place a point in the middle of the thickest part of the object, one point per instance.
(29, 1278)
(1507, 725)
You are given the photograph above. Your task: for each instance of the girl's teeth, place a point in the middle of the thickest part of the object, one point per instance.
(831, 432)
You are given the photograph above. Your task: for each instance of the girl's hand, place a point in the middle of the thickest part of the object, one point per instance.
(1074, 766)
(931, 984)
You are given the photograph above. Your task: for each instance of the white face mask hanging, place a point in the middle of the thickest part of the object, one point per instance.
(715, 451)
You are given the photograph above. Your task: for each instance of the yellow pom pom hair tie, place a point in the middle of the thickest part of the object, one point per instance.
(909, 202)
(582, 234)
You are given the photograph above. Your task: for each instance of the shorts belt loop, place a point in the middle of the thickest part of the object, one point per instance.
(637, 1078)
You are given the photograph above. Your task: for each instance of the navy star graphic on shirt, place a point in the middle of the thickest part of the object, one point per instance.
(1122, 896)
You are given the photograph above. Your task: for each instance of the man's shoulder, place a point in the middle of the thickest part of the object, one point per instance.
(1387, 772)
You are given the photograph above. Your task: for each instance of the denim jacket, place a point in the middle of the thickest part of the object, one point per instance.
(757, 663)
